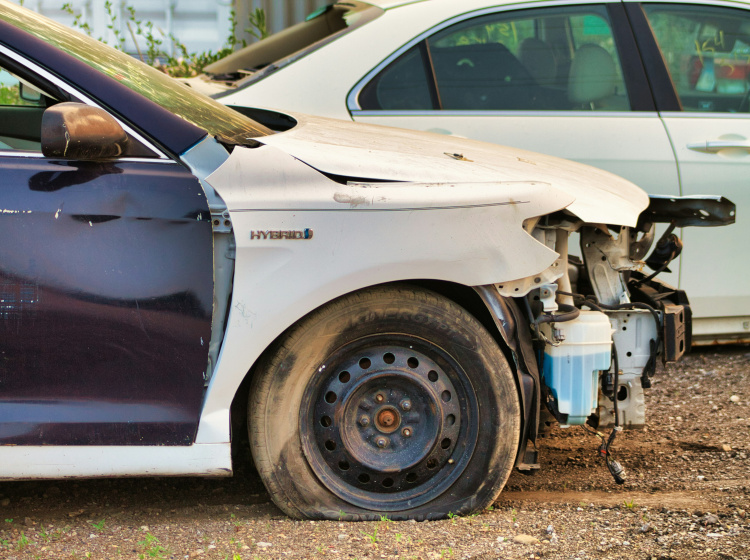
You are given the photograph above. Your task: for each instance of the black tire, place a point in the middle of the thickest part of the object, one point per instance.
(391, 401)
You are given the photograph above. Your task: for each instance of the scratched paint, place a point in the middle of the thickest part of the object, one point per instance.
(103, 307)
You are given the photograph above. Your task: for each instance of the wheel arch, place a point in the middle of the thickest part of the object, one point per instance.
(475, 301)
(507, 325)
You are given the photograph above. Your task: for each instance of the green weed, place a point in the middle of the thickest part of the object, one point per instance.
(150, 548)
(372, 537)
(22, 542)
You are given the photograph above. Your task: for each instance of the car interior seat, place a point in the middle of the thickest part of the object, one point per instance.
(593, 79)
(539, 59)
(483, 76)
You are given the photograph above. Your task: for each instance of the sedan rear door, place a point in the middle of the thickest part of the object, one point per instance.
(698, 57)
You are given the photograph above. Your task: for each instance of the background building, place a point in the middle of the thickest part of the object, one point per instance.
(198, 24)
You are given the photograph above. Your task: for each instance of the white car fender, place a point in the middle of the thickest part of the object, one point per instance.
(304, 239)
(342, 148)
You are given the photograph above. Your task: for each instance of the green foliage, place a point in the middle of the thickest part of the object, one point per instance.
(77, 18)
(372, 537)
(258, 24)
(150, 548)
(43, 534)
(509, 33)
(22, 542)
(152, 43)
(113, 27)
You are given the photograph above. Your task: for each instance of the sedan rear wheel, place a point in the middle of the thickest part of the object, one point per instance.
(388, 401)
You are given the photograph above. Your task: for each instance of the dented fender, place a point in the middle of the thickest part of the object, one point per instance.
(360, 234)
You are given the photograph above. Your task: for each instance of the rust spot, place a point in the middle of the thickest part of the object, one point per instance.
(388, 420)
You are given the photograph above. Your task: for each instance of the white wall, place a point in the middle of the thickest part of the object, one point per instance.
(201, 25)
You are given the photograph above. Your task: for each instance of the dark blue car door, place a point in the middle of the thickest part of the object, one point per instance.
(106, 295)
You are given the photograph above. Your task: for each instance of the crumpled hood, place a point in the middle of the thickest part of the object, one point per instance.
(364, 152)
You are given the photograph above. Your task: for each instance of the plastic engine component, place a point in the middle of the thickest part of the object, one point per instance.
(571, 369)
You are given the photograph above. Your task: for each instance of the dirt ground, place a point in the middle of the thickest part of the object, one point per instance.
(687, 496)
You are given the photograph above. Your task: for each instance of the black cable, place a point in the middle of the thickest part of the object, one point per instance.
(662, 268)
(615, 468)
(650, 368)
(569, 313)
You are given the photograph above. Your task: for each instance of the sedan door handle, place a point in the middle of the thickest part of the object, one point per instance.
(713, 146)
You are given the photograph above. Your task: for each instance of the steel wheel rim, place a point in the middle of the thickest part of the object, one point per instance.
(389, 422)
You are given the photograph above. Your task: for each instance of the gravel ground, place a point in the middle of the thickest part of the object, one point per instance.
(687, 495)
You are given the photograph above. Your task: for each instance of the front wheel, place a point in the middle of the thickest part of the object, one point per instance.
(390, 401)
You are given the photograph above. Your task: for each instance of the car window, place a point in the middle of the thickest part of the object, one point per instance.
(21, 109)
(543, 59)
(205, 113)
(15, 92)
(707, 52)
(24, 96)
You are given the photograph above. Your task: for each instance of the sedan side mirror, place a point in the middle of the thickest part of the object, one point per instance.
(80, 132)
(29, 94)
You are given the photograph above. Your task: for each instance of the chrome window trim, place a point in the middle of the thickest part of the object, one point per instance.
(714, 3)
(40, 155)
(352, 99)
(21, 153)
(705, 115)
(65, 86)
(508, 113)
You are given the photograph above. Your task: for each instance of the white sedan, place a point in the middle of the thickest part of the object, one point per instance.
(656, 92)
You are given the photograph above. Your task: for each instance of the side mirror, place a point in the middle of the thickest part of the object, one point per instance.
(29, 93)
(80, 132)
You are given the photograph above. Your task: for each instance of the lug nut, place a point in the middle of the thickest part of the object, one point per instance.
(406, 404)
(381, 442)
(406, 432)
(379, 398)
(364, 421)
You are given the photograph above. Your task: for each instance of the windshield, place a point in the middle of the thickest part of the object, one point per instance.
(284, 47)
(205, 113)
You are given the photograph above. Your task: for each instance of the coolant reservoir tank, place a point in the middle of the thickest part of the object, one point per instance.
(571, 370)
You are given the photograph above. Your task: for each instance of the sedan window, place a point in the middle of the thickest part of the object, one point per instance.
(14, 92)
(207, 114)
(21, 108)
(546, 59)
(707, 52)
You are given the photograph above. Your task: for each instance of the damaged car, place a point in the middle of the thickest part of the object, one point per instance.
(386, 313)
(655, 92)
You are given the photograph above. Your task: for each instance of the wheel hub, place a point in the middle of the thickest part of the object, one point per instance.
(389, 426)
(388, 420)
